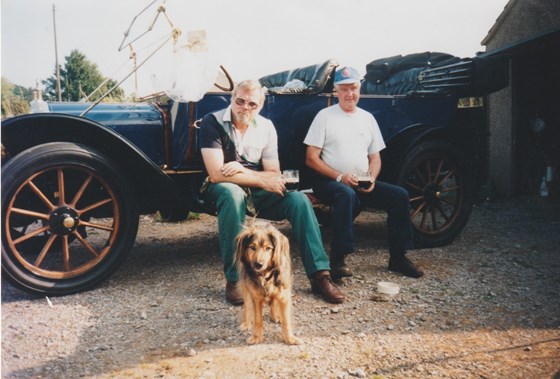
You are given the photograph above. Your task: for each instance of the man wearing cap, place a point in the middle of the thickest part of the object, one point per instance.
(342, 141)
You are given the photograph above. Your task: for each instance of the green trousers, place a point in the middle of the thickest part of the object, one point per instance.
(231, 202)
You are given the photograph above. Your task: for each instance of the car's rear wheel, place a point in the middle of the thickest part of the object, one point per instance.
(68, 218)
(441, 193)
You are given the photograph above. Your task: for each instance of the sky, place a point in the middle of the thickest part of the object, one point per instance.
(251, 38)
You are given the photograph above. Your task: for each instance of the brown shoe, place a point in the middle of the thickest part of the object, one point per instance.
(322, 284)
(233, 293)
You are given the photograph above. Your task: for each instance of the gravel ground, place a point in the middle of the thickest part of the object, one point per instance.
(488, 307)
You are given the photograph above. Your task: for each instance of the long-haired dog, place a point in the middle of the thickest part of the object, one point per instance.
(263, 261)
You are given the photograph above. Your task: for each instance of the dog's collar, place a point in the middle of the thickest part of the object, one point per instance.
(265, 276)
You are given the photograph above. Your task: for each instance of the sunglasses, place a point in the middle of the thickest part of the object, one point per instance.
(241, 102)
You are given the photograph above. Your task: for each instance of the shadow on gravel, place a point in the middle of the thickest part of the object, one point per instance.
(11, 293)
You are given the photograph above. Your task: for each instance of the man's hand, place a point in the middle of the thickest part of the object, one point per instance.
(236, 173)
(232, 168)
(366, 190)
(350, 180)
(274, 184)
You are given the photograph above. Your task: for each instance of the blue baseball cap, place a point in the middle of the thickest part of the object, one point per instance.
(346, 75)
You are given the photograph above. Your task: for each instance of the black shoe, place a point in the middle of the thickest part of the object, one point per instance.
(339, 269)
(405, 267)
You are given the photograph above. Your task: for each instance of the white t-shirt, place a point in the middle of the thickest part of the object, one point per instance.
(346, 139)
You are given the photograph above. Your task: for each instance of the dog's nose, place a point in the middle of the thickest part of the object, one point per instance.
(257, 265)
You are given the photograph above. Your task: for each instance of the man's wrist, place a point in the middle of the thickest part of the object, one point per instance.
(339, 178)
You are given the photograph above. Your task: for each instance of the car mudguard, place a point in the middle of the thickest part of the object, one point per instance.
(398, 147)
(153, 187)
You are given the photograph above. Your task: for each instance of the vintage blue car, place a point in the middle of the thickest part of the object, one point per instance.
(75, 183)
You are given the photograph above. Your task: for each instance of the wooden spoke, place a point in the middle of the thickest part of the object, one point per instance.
(25, 212)
(41, 195)
(86, 244)
(97, 226)
(45, 250)
(454, 188)
(415, 213)
(429, 169)
(66, 253)
(61, 197)
(446, 177)
(439, 168)
(424, 216)
(408, 184)
(440, 209)
(434, 220)
(81, 191)
(30, 235)
(444, 200)
(93, 206)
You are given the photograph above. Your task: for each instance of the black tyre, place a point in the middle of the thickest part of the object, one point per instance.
(68, 219)
(441, 192)
(173, 214)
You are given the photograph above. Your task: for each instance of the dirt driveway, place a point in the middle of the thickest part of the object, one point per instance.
(488, 307)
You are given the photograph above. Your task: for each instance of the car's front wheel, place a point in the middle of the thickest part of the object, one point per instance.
(68, 218)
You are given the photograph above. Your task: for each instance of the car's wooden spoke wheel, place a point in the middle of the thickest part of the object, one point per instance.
(68, 218)
(58, 220)
(441, 193)
(436, 189)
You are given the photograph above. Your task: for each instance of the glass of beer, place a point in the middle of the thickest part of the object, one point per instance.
(291, 177)
(364, 179)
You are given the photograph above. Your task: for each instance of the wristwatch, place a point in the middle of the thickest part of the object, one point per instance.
(339, 178)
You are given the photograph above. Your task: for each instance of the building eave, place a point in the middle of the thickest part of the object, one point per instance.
(499, 21)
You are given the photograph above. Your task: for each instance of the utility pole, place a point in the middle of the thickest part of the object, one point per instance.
(58, 91)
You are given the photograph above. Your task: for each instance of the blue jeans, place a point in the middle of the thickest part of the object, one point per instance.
(231, 202)
(347, 204)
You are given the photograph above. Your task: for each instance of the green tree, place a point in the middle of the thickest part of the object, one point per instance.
(79, 78)
(15, 99)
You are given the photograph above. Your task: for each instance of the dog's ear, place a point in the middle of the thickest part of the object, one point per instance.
(281, 257)
(243, 239)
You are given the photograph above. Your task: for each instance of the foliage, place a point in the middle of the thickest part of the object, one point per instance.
(78, 78)
(15, 99)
